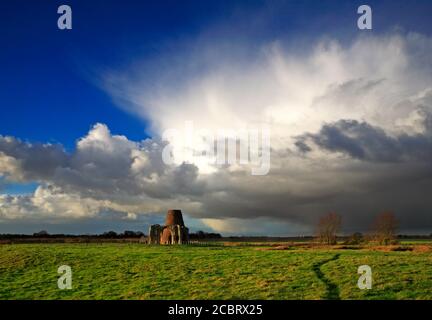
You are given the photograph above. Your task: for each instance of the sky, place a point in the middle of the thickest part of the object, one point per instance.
(84, 112)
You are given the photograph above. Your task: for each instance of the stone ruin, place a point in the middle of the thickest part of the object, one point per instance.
(173, 232)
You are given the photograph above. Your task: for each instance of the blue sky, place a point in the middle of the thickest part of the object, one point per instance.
(51, 80)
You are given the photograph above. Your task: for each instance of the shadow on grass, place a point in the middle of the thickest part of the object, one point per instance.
(332, 290)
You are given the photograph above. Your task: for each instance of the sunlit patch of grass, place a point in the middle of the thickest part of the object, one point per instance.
(134, 271)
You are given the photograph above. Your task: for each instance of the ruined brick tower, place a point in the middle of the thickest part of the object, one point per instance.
(173, 232)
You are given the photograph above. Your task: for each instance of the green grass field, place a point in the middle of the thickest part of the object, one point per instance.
(134, 271)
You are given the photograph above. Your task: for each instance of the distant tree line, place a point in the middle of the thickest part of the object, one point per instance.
(204, 235)
(199, 235)
(106, 235)
(383, 230)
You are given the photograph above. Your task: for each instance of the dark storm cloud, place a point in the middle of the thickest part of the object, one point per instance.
(363, 141)
(36, 160)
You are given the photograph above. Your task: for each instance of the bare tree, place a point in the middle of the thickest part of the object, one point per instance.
(328, 226)
(384, 227)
